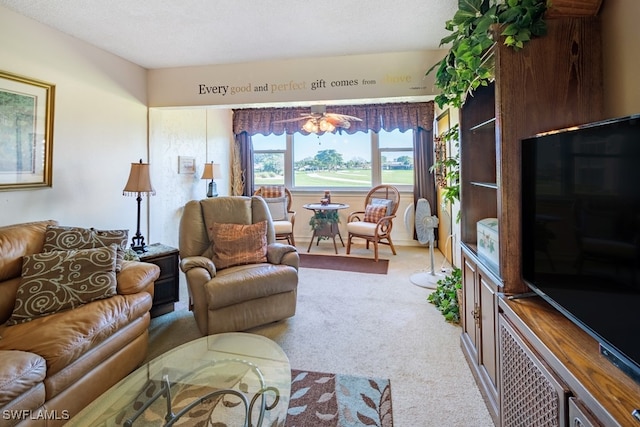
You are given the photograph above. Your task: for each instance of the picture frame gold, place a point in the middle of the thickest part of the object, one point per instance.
(26, 132)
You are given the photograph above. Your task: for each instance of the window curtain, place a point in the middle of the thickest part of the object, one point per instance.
(402, 116)
(375, 117)
(424, 181)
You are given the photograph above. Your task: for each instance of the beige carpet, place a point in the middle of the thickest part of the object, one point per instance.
(368, 325)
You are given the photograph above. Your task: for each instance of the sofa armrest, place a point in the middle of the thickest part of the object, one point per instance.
(188, 263)
(136, 277)
(280, 253)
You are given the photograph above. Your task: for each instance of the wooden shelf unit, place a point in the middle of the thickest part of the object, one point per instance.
(554, 82)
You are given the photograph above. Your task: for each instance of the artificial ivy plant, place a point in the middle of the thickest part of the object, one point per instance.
(445, 296)
(323, 219)
(464, 68)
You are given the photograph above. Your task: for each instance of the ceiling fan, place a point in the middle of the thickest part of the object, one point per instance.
(318, 120)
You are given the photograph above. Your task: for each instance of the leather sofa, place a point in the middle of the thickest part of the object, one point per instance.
(238, 297)
(51, 367)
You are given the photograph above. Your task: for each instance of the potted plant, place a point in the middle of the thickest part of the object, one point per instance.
(445, 296)
(324, 219)
(465, 67)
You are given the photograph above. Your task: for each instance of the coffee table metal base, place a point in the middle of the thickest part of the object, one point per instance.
(236, 379)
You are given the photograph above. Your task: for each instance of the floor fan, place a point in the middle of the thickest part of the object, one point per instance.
(425, 224)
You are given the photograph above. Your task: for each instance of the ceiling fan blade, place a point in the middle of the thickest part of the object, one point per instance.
(343, 117)
(293, 120)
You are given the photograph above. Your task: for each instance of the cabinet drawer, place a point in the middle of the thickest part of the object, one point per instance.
(165, 291)
(579, 416)
(168, 266)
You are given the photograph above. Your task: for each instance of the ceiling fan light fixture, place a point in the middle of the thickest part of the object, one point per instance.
(326, 126)
(310, 126)
(318, 120)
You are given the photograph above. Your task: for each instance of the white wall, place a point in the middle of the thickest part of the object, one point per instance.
(100, 127)
(321, 80)
(621, 44)
(204, 134)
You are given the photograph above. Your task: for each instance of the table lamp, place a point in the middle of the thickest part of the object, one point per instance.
(212, 171)
(139, 183)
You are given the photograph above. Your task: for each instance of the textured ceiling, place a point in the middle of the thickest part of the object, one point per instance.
(178, 33)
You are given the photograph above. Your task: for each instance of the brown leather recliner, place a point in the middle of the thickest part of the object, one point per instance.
(238, 297)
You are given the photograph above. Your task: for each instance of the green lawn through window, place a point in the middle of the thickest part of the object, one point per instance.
(341, 178)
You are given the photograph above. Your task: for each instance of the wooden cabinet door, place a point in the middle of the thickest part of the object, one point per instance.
(470, 307)
(488, 320)
(479, 320)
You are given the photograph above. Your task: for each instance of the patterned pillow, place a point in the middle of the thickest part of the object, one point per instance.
(60, 238)
(61, 280)
(271, 191)
(238, 244)
(278, 208)
(373, 213)
(386, 202)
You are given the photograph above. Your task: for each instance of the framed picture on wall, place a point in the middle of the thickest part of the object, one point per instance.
(26, 132)
(186, 165)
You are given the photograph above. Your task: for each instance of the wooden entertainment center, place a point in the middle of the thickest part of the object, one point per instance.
(533, 365)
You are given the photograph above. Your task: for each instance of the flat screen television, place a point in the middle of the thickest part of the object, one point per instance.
(581, 230)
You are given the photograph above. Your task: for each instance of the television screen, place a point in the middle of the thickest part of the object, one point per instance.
(581, 230)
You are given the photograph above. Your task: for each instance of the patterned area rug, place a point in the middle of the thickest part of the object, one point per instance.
(320, 399)
(344, 263)
(317, 399)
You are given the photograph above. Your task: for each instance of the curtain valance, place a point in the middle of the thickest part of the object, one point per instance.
(375, 117)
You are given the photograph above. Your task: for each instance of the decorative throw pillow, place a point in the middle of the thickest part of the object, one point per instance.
(271, 191)
(385, 202)
(373, 213)
(60, 280)
(278, 208)
(238, 244)
(61, 238)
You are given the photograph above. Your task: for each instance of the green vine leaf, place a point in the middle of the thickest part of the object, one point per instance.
(322, 219)
(445, 296)
(461, 71)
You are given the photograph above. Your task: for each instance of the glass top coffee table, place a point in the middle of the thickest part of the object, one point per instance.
(234, 379)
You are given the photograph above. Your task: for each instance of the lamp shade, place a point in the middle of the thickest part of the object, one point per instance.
(139, 180)
(211, 171)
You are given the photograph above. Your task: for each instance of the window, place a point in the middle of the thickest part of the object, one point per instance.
(358, 161)
(269, 159)
(396, 157)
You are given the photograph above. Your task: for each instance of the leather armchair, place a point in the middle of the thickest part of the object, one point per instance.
(243, 296)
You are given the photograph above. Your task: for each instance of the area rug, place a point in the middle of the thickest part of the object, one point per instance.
(344, 263)
(333, 400)
(316, 399)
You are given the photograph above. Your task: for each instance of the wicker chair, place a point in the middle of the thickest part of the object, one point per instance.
(282, 224)
(374, 224)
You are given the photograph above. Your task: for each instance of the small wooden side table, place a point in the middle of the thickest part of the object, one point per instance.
(167, 288)
(329, 230)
